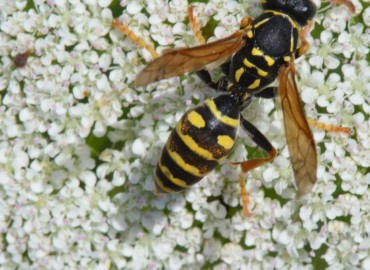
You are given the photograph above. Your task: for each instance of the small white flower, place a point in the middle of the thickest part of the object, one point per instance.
(139, 147)
(282, 236)
(89, 178)
(366, 16)
(366, 263)
(334, 19)
(231, 254)
(323, 56)
(134, 8)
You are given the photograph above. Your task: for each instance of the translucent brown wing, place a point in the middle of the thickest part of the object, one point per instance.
(180, 61)
(301, 145)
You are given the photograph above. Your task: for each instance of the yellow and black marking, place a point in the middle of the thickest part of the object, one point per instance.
(262, 50)
(271, 41)
(202, 138)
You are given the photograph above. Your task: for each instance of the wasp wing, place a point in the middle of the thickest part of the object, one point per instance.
(301, 145)
(179, 61)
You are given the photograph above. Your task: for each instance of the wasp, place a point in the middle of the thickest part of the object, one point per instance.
(254, 56)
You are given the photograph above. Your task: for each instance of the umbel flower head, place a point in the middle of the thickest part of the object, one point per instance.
(79, 144)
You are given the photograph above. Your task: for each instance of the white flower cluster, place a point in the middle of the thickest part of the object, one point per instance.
(79, 144)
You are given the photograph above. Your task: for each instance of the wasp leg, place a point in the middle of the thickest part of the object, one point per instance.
(205, 76)
(220, 85)
(244, 195)
(248, 165)
(138, 40)
(225, 67)
(195, 26)
(347, 3)
(269, 92)
(245, 22)
(305, 46)
(330, 128)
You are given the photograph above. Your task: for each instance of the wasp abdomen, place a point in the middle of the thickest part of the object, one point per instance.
(203, 137)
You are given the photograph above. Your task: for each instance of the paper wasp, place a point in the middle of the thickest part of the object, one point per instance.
(261, 51)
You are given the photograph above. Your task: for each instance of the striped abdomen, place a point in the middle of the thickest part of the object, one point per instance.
(202, 138)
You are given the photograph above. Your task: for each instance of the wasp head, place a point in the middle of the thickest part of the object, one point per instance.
(301, 11)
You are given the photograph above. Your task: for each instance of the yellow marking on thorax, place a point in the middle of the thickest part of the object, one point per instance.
(225, 141)
(261, 22)
(278, 13)
(181, 163)
(196, 119)
(161, 186)
(223, 118)
(256, 52)
(270, 61)
(251, 65)
(189, 142)
(238, 74)
(287, 59)
(170, 177)
(250, 34)
(291, 43)
(255, 84)
(248, 64)
(262, 72)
